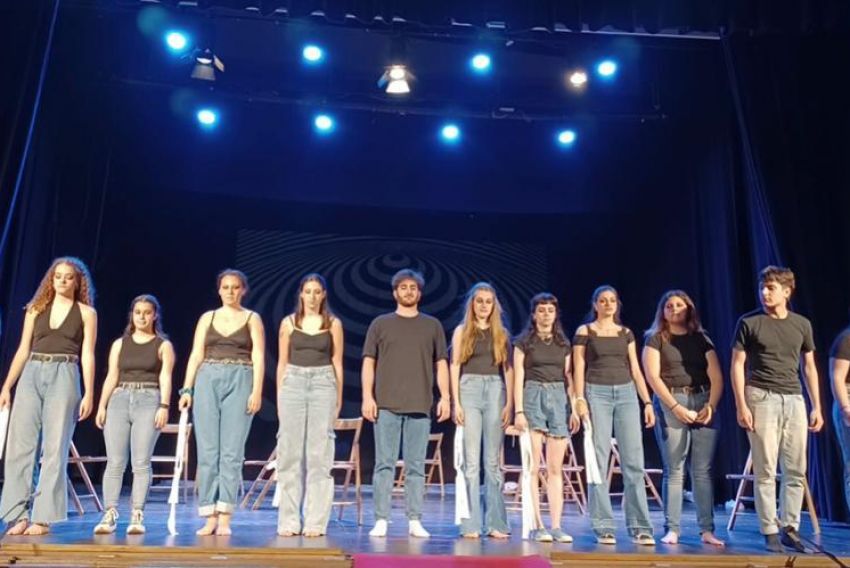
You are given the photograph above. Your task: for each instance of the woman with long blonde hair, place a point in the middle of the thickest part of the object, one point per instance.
(60, 329)
(482, 389)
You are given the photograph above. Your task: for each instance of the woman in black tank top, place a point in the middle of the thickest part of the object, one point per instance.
(133, 408)
(309, 384)
(227, 363)
(59, 333)
(605, 367)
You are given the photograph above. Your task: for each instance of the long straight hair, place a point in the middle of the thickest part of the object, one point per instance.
(661, 326)
(469, 331)
(591, 315)
(324, 309)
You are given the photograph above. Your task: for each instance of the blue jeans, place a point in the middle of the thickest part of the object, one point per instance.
(130, 429)
(545, 407)
(779, 437)
(222, 424)
(46, 406)
(843, 433)
(390, 429)
(482, 398)
(615, 410)
(305, 447)
(676, 440)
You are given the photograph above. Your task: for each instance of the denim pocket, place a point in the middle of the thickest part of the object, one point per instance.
(755, 394)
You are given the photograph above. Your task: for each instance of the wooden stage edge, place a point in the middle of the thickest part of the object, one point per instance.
(72, 555)
(69, 555)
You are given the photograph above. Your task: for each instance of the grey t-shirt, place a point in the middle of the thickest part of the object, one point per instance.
(481, 361)
(773, 347)
(683, 362)
(406, 351)
(544, 362)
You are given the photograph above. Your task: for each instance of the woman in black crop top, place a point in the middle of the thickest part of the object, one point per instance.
(227, 363)
(309, 384)
(542, 382)
(605, 367)
(482, 387)
(60, 327)
(682, 368)
(133, 408)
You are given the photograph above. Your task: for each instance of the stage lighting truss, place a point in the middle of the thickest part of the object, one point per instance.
(206, 64)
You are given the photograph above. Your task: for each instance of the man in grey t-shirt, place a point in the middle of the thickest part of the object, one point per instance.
(402, 351)
(770, 403)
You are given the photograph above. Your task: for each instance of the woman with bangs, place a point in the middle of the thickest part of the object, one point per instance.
(542, 382)
(309, 384)
(682, 368)
(482, 386)
(606, 367)
(134, 408)
(60, 329)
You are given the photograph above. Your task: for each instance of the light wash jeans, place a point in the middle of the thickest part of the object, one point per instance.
(615, 410)
(390, 429)
(843, 433)
(46, 406)
(482, 398)
(222, 423)
(129, 429)
(780, 436)
(677, 441)
(305, 445)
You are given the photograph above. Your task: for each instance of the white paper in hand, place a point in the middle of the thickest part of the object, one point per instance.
(528, 517)
(4, 426)
(591, 467)
(461, 494)
(174, 496)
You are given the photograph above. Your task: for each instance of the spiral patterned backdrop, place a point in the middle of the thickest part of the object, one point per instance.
(358, 270)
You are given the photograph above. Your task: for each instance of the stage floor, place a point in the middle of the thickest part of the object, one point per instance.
(254, 541)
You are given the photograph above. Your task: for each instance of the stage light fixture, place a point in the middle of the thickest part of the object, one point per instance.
(450, 133)
(480, 63)
(313, 54)
(396, 80)
(176, 41)
(324, 123)
(207, 117)
(566, 138)
(607, 68)
(578, 79)
(206, 64)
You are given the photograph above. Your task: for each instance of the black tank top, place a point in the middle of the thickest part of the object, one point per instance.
(607, 357)
(481, 360)
(67, 339)
(310, 350)
(237, 345)
(139, 362)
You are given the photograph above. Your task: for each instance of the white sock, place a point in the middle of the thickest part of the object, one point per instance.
(416, 529)
(380, 528)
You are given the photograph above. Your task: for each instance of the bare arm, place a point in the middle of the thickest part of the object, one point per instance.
(369, 407)
(258, 360)
(652, 369)
(283, 336)
(167, 356)
(196, 357)
(738, 377)
(454, 373)
(336, 359)
(579, 365)
(87, 359)
(20, 358)
(637, 375)
(715, 377)
(810, 374)
(111, 380)
(838, 369)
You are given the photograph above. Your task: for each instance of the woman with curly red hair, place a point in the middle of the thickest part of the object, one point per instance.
(60, 329)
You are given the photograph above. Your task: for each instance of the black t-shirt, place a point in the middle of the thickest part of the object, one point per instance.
(606, 357)
(773, 347)
(406, 350)
(683, 362)
(544, 362)
(481, 361)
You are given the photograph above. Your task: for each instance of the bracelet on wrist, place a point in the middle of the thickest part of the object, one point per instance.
(164, 405)
(519, 412)
(674, 406)
(187, 390)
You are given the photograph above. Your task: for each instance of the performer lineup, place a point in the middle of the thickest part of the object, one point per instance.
(542, 383)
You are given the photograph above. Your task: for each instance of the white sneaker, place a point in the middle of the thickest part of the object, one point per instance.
(108, 523)
(137, 522)
(380, 528)
(415, 528)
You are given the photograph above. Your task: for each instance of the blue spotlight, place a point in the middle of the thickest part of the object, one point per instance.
(566, 138)
(607, 68)
(324, 123)
(176, 41)
(480, 63)
(207, 117)
(313, 54)
(450, 133)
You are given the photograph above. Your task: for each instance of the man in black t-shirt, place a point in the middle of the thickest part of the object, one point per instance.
(402, 351)
(770, 403)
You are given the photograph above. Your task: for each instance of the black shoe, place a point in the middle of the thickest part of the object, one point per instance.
(791, 538)
(772, 543)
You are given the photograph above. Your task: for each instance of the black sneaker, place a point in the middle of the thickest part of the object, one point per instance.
(772, 543)
(791, 538)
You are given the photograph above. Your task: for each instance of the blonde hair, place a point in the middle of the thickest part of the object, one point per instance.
(83, 290)
(469, 331)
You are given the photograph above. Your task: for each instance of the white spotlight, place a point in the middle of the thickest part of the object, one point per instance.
(396, 80)
(578, 78)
